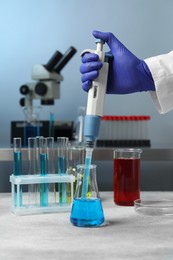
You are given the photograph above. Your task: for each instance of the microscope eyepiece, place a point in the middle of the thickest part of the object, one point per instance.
(53, 61)
(65, 58)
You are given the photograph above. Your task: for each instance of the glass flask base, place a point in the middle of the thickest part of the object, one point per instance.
(87, 213)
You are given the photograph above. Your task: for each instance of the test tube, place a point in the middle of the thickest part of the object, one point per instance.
(32, 188)
(51, 167)
(38, 154)
(62, 146)
(43, 171)
(17, 168)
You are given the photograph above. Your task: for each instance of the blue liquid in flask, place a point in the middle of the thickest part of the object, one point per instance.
(87, 213)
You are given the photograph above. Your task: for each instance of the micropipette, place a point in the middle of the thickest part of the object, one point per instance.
(94, 110)
(96, 97)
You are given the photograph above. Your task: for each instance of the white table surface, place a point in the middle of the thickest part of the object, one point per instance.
(125, 235)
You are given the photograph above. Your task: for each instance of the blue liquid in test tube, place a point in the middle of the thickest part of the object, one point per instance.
(17, 163)
(62, 145)
(61, 165)
(43, 186)
(30, 131)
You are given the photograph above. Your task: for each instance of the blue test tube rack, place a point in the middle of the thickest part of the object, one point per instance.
(26, 208)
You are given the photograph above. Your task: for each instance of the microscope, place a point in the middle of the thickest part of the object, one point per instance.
(48, 78)
(46, 88)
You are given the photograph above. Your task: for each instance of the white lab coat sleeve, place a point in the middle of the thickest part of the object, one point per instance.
(161, 68)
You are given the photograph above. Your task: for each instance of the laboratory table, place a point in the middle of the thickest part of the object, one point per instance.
(125, 235)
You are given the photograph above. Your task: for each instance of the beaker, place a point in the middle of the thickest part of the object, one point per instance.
(126, 176)
(87, 211)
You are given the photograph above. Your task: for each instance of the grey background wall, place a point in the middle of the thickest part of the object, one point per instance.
(30, 32)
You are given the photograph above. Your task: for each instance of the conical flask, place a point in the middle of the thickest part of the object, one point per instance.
(87, 208)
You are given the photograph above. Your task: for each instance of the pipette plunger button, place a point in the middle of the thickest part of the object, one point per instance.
(99, 41)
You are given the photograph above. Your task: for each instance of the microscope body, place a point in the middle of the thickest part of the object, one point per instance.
(47, 78)
(46, 86)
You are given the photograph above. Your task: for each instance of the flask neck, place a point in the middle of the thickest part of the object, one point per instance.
(86, 181)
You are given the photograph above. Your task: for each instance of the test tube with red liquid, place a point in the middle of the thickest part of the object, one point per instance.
(126, 176)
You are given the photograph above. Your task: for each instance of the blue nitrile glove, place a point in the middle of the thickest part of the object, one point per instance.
(127, 73)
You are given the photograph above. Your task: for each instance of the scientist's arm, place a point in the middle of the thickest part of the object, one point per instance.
(161, 68)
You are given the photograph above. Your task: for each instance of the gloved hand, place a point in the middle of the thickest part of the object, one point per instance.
(127, 73)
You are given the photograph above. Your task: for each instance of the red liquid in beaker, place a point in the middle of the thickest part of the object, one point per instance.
(126, 181)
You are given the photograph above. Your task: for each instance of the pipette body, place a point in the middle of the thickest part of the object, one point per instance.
(96, 96)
